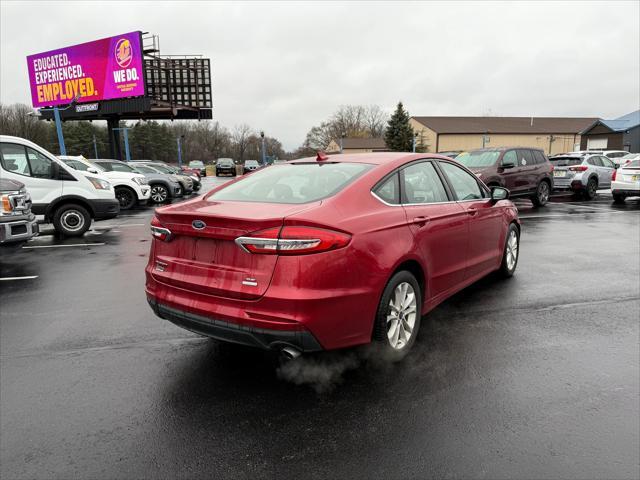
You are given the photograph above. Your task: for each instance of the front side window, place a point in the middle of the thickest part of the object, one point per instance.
(292, 183)
(421, 184)
(40, 165)
(510, 157)
(14, 159)
(389, 190)
(464, 185)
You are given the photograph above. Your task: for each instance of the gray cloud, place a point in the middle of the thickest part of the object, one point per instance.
(283, 67)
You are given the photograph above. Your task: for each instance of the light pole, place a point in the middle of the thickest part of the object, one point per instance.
(126, 141)
(95, 146)
(264, 153)
(179, 140)
(413, 146)
(56, 116)
(342, 135)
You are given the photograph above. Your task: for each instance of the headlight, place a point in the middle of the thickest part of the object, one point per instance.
(141, 180)
(99, 184)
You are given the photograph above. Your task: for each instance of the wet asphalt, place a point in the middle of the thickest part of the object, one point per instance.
(532, 377)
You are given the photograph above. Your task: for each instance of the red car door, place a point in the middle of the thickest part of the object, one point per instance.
(439, 225)
(484, 249)
(509, 172)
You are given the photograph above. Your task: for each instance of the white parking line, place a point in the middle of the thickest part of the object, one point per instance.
(67, 245)
(6, 279)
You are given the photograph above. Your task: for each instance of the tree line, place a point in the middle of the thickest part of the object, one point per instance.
(207, 140)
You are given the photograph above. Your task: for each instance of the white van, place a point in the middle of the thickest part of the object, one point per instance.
(131, 188)
(68, 198)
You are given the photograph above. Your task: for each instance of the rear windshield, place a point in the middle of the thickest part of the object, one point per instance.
(565, 161)
(196, 164)
(478, 159)
(633, 164)
(292, 183)
(251, 162)
(225, 162)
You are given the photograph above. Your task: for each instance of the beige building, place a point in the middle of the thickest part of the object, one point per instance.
(552, 134)
(357, 145)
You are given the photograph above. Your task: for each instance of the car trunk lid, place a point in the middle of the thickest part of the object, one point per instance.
(202, 255)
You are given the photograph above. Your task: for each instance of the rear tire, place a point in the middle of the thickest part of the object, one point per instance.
(511, 252)
(592, 189)
(398, 316)
(541, 197)
(71, 220)
(617, 198)
(126, 197)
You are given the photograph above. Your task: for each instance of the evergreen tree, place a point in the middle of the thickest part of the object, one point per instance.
(399, 134)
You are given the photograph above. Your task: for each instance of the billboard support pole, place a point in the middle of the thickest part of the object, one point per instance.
(179, 140)
(95, 146)
(126, 141)
(56, 116)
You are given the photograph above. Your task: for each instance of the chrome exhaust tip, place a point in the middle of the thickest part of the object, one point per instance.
(290, 353)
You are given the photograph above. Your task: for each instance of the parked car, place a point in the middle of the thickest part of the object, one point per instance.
(191, 171)
(225, 166)
(131, 188)
(524, 171)
(193, 175)
(450, 154)
(626, 159)
(250, 166)
(199, 166)
(186, 183)
(582, 173)
(626, 181)
(163, 187)
(330, 252)
(17, 223)
(68, 198)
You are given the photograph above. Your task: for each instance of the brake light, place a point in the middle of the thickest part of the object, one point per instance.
(614, 174)
(159, 231)
(293, 240)
(579, 168)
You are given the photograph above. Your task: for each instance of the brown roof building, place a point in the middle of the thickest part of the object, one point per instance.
(552, 134)
(357, 145)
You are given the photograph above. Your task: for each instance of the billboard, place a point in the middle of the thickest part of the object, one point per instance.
(100, 70)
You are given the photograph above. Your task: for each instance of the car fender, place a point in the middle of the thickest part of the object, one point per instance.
(52, 207)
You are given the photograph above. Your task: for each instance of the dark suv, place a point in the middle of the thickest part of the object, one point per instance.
(525, 171)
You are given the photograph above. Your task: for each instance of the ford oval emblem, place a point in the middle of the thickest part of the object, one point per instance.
(198, 224)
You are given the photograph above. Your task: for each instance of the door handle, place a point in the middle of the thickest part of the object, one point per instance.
(421, 220)
(472, 211)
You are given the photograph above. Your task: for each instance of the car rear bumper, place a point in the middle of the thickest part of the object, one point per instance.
(18, 231)
(264, 338)
(625, 188)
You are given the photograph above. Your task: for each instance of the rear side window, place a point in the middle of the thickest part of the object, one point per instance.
(539, 157)
(525, 158)
(389, 190)
(292, 183)
(464, 185)
(594, 161)
(606, 162)
(421, 184)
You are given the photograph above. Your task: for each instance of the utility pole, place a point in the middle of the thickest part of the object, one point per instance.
(95, 146)
(126, 141)
(415, 137)
(179, 140)
(264, 152)
(342, 135)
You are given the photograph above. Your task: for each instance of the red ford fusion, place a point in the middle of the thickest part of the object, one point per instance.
(329, 252)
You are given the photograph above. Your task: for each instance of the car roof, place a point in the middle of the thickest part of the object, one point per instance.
(373, 158)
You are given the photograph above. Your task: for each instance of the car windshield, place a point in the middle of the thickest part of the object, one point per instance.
(480, 158)
(633, 164)
(224, 162)
(629, 156)
(292, 183)
(565, 161)
(162, 168)
(76, 164)
(196, 164)
(251, 162)
(145, 169)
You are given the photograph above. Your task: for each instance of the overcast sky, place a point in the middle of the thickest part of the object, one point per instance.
(284, 67)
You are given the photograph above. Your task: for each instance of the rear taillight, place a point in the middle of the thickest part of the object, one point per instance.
(614, 174)
(579, 168)
(159, 231)
(293, 240)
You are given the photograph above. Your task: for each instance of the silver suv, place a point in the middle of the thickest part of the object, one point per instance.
(582, 173)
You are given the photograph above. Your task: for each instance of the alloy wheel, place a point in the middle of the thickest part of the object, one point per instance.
(592, 187)
(159, 194)
(125, 198)
(543, 193)
(512, 250)
(401, 318)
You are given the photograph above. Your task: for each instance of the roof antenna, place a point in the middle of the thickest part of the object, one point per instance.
(321, 156)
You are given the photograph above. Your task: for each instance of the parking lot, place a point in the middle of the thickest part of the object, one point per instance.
(536, 374)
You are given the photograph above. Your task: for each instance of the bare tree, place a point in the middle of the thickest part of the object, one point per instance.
(241, 135)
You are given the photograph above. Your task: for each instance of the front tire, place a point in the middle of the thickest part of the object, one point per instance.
(126, 197)
(159, 194)
(541, 197)
(511, 252)
(398, 316)
(71, 220)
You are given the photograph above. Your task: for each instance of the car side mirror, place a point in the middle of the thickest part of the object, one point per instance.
(508, 164)
(499, 193)
(93, 170)
(616, 166)
(55, 170)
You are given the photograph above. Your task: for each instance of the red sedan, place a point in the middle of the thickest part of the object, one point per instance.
(329, 252)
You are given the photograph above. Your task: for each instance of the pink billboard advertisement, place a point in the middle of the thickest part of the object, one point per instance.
(99, 70)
